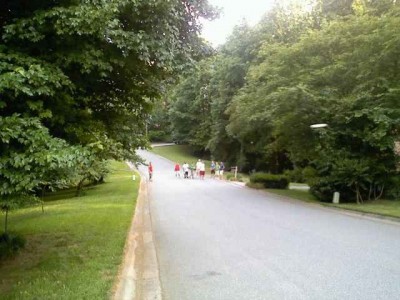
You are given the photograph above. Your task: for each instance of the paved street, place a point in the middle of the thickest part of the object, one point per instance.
(217, 240)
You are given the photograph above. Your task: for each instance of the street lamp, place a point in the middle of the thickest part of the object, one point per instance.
(320, 125)
(336, 195)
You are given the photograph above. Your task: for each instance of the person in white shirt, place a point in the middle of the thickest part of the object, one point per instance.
(202, 170)
(185, 169)
(198, 164)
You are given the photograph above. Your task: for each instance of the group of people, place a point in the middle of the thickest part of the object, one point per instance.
(199, 169)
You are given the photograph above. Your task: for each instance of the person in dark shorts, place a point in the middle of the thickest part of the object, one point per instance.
(150, 168)
(212, 169)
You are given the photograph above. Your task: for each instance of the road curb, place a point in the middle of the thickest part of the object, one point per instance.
(139, 276)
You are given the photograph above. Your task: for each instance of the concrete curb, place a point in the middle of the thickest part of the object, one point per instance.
(139, 276)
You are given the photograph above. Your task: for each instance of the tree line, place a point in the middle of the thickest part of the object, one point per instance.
(252, 102)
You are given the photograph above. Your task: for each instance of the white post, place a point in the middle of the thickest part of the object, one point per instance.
(336, 196)
(133, 177)
(236, 169)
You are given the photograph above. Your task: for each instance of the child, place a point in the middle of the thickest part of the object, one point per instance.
(177, 170)
(185, 168)
(150, 171)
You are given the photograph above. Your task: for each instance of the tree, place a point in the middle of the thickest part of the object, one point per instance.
(93, 68)
(190, 108)
(28, 153)
(346, 71)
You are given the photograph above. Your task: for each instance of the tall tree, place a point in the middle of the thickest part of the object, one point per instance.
(91, 69)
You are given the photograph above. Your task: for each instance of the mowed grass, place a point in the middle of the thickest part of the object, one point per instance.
(295, 194)
(75, 247)
(390, 208)
(179, 154)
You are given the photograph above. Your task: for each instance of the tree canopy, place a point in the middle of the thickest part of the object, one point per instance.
(337, 63)
(90, 70)
(78, 79)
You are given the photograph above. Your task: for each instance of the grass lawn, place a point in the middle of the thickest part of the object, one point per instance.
(295, 194)
(75, 247)
(180, 154)
(177, 153)
(380, 207)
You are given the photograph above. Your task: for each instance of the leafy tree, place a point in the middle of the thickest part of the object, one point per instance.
(190, 109)
(337, 63)
(345, 71)
(28, 152)
(93, 68)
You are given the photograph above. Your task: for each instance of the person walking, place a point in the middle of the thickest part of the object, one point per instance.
(202, 170)
(212, 169)
(198, 164)
(185, 169)
(192, 170)
(150, 169)
(177, 170)
(221, 170)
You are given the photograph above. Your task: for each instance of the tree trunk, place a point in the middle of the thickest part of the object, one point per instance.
(43, 192)
(358, 195)
(370, 191)
(79, 188)
(381, 193)
(6, 221)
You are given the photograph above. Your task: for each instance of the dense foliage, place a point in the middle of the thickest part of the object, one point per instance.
(77, 82)
(252, 104)
(270, 181)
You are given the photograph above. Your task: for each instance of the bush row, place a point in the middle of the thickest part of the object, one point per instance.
(270, 181)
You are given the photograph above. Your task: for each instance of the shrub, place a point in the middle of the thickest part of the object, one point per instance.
(309, 173)
(257, 186)
(295, 175)
(393, 188)
(231, 177)
(323, 190)
(159, 136)
(10, 244)
(270, 181)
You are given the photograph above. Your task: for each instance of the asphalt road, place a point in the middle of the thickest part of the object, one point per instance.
(216, 240)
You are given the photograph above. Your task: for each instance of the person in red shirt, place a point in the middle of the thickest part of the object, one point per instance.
(150, 171)
(177, 170)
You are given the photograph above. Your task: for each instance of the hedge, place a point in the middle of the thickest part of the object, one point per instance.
(270, 181)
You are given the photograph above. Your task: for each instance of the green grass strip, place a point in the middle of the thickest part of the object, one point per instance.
(75, 247)
(177, 153)
(390, 208)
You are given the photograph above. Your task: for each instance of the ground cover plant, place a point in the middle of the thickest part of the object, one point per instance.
(74, 248)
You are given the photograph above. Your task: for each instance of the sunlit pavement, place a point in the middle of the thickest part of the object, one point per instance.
(217, 240)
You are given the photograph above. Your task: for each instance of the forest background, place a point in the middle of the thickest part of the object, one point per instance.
(251, 102)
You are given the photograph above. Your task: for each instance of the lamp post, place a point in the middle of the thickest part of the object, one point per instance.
(336, 195)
